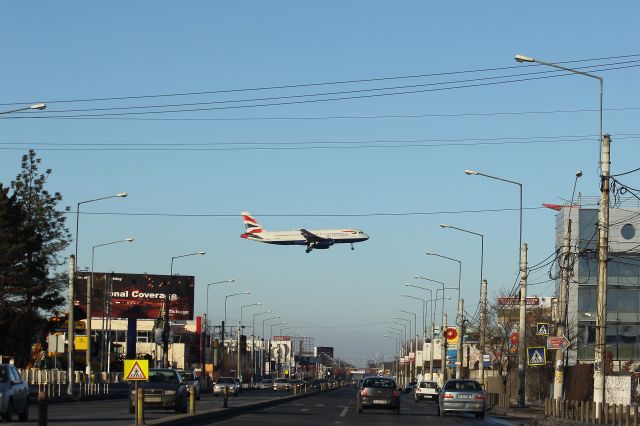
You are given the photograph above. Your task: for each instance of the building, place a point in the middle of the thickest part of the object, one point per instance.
(623, 294)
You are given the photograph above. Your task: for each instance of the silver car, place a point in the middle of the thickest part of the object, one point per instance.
(462, 396)
(14, 394)
(226, 382)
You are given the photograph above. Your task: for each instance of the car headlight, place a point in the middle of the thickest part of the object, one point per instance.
(170, 392)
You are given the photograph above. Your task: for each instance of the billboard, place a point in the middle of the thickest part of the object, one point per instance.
(139, 296)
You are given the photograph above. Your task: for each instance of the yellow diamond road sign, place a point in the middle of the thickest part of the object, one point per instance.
(136, 369)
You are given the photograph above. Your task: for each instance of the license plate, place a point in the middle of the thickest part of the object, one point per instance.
(465, 396)
(153, 399)
(380, 401)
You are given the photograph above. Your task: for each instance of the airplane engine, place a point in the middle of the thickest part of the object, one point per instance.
(323, 244)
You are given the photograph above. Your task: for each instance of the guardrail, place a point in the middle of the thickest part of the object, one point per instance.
(585, 412)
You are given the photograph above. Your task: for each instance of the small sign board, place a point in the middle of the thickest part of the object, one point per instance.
(486, 360)
(136, 369)
(80, 343)
(452, 355)
(542, 329)
(555, 342)
(536, 356)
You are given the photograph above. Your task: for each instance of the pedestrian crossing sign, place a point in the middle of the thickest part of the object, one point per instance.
(536, 356)
(136, 369)
(542, 329)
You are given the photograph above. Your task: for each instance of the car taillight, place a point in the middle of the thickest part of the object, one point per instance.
(363, 392)
(480, 396)
(448, 395)
(395, 394)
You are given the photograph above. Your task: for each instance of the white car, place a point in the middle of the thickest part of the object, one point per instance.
(226, 382)
(426, 390)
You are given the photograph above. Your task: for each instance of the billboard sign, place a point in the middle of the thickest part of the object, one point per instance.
(139, 296)
(515, 301)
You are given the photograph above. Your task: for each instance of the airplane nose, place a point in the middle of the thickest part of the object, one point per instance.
(365, 236)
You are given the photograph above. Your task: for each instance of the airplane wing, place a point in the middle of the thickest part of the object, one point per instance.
(311, 237)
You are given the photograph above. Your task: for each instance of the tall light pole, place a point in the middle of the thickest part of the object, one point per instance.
(231, 281)
(603, 243)
(271, 338)
(222, 337)
(424, 313)
(446, 226)
(39, 106)
(167, 302)
(253, 342)
(523, 294)
(70, 319)
(246, 306)
(268, 347)
(89, 300)
(397, 349)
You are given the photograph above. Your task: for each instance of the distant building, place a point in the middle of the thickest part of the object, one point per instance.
(323, 350)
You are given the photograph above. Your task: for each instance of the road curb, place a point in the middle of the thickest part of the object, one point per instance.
(199, 418)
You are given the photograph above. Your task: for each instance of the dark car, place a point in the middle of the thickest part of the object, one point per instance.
(462, 396)
(378, 392)
(165, 389)
(14, 394)
(411, 386)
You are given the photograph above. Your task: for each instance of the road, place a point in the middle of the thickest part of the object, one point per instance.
(116, 411)
(332, 407)
(338, 408)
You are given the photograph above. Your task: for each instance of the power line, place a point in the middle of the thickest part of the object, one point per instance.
(376, 214)
(296, 102)
(281, 146)
(314, 84)
(301, 85)
(307, 95)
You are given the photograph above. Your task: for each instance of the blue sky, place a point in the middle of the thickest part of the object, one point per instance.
(77, 50)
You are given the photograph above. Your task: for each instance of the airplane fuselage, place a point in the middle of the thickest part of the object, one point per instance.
(295, 237)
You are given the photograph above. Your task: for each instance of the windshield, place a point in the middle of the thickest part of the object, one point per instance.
(186, 376)
(428, 385)
(282, 381)
(228, 380)
(162, 376)
(4, 374)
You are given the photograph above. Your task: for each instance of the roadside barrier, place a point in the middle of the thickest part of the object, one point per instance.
(585, 412)
(42, 408)
(192, 400)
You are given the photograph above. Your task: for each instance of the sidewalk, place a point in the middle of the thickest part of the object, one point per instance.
(532, 415)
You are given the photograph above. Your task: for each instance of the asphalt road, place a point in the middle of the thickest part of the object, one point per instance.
(332, 407)
(338, 408)
(116, 411)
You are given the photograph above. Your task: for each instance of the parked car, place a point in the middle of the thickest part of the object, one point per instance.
(226, 382)
(378, 393)
(281, 384)
(14, 394)
(265, 384)
(462, 396)
(426, 390)
(316, 384)
(164, 389)
(189, 378)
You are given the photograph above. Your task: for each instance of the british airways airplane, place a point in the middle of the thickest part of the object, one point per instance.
(313, 239)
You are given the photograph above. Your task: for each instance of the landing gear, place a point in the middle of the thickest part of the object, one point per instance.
(308, 250)
(352, 248)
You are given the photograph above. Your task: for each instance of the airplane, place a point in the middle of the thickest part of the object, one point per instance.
(313, 239)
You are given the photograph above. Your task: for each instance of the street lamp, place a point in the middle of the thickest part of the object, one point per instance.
(523, 292)
(415, 322)
(231, 281)
(599, 361)
(424, 313)
(89, 315)
(39, 106)
(246, 306)
(263, 361)
(166, 323)
(71, 329)
(253, 342)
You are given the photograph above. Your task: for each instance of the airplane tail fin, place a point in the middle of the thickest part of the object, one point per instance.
(251, 225)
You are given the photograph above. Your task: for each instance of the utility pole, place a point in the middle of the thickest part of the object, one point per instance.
(88, 351)
(443, 339)
(603, 254)
(522, 346)
(562, 309)
(431, 352)
(166, 329)
(483, 328)
(72, 277)
(238, 366)
(460, 325)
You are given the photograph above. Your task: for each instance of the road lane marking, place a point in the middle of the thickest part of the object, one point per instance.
(344, 411)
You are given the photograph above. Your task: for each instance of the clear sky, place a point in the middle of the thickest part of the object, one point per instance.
(194, 163)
